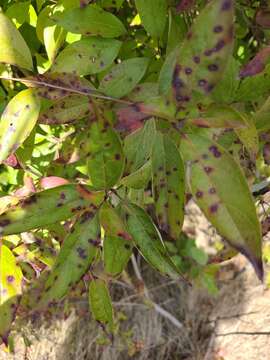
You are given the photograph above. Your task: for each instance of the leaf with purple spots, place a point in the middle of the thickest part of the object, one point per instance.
(48, 207)
(221, 191)
(100, 302)
(105, 162)
(118, 244)
(148, 239)
(168, 179)
(204, 54)
(78, 251)
(67, 110)
(87, 56)
(90, 20)
(17, 121)
(54, 86)
(10, 290)
(123, 77)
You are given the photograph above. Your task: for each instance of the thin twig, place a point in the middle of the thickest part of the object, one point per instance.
(157, 307)
(59, 87)
(245, 333)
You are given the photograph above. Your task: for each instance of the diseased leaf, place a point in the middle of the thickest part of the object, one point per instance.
(138, 146)
(67, 110)
(168, 179)
(17, 121)
(153, 14)
(76, 255)
(10, 290)
(117, 245)
(90, 20)
(123, 77)
(257, 64)
(139, 178)
(47, 207)
(204, 54)
(87, 56)
(100, 302)
(13, 48)
(221, 191)
(147, 239)
(54, 86)
(105, 157)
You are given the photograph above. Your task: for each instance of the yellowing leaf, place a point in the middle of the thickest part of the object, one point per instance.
(13, 48)
(10, 289)
(17, 121)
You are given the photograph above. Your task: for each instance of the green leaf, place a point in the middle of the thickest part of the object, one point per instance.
(87, 56)
(22, 12)
(100, 302)
(10, 289)
(153, 14)
(147, 239)
(139, 178)
(67, 110)
(13, 48)
(117, 245)
(91, 20)
(76, 255)
(17, 121)
(203, 57)
(105, 160)
(168, 185)
(138, 146)
(176, 32)
(47, 207)
(123, 77)
(221, 191)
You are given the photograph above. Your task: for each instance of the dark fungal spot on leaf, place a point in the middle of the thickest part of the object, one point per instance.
(196, 59)
(214, 150)
(27, 106)
(218, 29)
(213, 208)
(4, 222)
(208, 52)
(208, 169)
(174, 168)
(10, 278)
(117, 157)
(127, 246)
(202, 82)
(81, 252)
(31, 200)
(212, 191)
(213, 67)
(86, 216)
(199, 194)
(188, 70)
(219, 45)
(226, 5)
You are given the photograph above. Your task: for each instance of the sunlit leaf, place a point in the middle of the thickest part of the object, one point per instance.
(87, 56)
(47, 207)
(10, 289)
(220, 189)
(90, 20)
(13, 48)
(17, 121)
